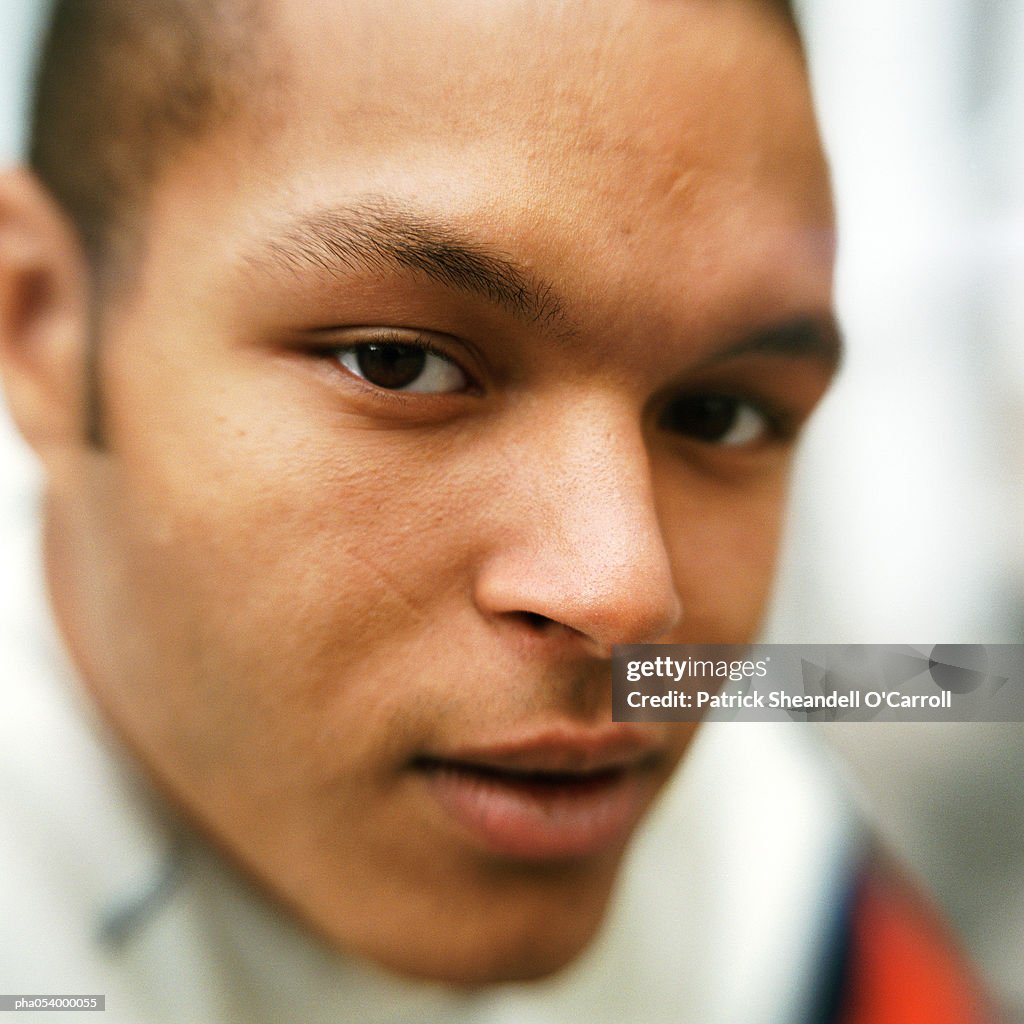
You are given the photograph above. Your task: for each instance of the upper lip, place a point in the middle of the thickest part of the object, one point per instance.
(571, 750)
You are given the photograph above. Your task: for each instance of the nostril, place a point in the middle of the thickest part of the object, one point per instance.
(538, 623)
(542, 625)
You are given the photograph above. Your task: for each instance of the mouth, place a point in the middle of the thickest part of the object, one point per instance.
(545, 799)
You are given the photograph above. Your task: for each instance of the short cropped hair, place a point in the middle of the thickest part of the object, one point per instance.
(121, 84)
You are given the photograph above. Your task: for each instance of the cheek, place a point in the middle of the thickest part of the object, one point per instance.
(273, 517)
(276, 568)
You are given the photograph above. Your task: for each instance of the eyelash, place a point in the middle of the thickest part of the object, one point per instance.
(386, 337)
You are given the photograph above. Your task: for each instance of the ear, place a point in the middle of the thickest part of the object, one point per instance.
(44, 318)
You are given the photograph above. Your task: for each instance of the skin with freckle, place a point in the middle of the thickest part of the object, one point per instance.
(288, 586)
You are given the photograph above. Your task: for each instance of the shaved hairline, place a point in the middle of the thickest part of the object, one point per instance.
(121, 86)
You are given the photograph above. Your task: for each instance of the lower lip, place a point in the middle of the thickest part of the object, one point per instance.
(537, 821)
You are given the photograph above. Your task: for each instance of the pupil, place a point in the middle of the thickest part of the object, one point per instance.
(705, 417)
(391, 366)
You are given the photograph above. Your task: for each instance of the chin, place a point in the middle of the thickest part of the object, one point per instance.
(490, 942)
(495, 963)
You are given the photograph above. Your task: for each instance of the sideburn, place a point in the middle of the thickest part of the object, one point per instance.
(92, 404)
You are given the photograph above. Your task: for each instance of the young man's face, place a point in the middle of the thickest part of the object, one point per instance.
(481, 349)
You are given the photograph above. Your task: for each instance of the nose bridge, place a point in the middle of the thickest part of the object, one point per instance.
(590, 552)
(599, 483)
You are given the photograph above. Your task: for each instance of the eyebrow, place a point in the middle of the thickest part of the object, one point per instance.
(378, 233)
(817, 338)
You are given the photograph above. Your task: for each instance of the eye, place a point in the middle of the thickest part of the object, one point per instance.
(396, 366)
(724, 420)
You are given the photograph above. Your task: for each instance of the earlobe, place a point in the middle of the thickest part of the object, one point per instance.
(44, 317)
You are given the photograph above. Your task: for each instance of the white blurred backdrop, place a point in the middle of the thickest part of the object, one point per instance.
(908, 520)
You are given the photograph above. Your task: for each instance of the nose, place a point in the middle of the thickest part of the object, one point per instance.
(579, 542)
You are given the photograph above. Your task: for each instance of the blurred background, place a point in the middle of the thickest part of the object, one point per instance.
(908, 519)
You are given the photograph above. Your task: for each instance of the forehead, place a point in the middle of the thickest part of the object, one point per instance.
(657, 85)
(649, 139)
